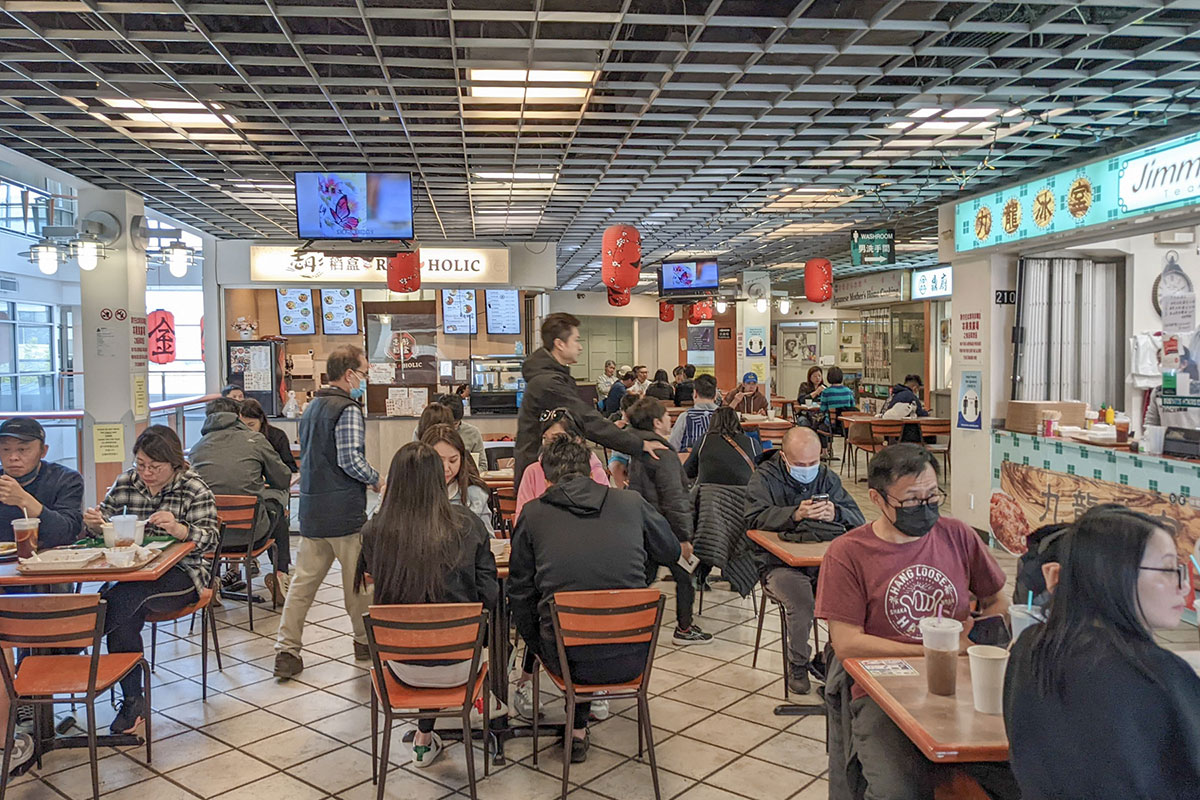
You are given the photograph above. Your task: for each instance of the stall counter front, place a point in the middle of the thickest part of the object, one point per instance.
(1040, 481)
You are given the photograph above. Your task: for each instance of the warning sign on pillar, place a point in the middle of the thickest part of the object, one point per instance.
(106, 314)
(138, 350)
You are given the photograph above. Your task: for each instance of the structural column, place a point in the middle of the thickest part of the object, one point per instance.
(754, 329)
(113, 313)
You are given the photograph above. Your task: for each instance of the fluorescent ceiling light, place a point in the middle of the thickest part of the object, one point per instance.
(528, 77)
(516, 176)
(971, 113)
(169, 112)
(922, 113)
(257, 185)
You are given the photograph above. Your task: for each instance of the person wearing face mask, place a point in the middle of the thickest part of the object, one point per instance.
(30, 485)
(877, 582)
(780, 497)
(334, 478)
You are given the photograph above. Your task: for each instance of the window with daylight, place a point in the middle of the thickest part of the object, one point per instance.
(28, 371)
(183, 377)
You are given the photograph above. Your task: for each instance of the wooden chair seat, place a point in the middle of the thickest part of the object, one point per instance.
(402, 696)
(42, 676)
(607, 688)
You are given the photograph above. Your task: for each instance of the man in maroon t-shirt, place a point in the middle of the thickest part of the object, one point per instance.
(877, 582)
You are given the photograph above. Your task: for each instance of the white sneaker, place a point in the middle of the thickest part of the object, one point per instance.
(600, 710)
(424, 755)
(522, 702)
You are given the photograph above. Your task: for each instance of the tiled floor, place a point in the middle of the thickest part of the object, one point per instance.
(307, 739)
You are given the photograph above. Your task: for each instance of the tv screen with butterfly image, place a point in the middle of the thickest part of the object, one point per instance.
(689, 277)
(354, 205)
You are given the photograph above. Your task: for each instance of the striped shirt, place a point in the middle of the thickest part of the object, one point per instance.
(837, 397)
(187, 497)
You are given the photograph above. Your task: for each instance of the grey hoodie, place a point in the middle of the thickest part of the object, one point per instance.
(232, 459)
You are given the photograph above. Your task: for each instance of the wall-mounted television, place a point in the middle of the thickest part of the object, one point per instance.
(503, 311)
(688, 277)
(339, 312)
(354, 205)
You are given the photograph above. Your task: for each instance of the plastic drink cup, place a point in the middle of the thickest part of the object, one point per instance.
(940, 637)
(1021, 617)
(1122, 426)
(987, 677)
(771, 412)
(25, 532)
(124, 528)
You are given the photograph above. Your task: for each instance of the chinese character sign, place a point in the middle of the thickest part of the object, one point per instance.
(160, 327)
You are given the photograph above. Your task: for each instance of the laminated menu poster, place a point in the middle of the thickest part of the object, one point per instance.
(296, 316)
(339, 312)
(459, 312)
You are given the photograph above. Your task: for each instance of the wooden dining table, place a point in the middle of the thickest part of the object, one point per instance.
(944, 729)
(498, 479)
(170, 556)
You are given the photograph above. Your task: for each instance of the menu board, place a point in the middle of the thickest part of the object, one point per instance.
(503, 311)
(296, 316)
(339, 312)
(459, 312)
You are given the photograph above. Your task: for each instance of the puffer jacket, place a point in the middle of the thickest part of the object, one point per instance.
(720, 538)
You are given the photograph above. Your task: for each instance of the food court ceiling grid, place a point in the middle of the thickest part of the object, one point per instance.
(757, 131)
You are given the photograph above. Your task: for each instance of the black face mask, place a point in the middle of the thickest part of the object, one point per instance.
(916, 521)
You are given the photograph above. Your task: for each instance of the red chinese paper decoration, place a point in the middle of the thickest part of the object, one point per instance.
(160, 336)
(666, 312)
(705, 309)
(404, 272)
(695, 314)
(818, 280)
(621, 257)
(618, 297)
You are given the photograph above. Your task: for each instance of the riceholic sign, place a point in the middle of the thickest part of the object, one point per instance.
(439, 266)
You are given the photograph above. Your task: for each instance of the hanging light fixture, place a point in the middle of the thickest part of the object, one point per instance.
(87, 252)
(45, 255)
(178, 257)
(785, 306)
(98, 232)
(760, 305)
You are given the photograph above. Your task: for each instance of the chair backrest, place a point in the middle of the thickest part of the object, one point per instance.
(494, 454)
(887, 428)
(935, 427)
(859, 431)
(773, 432)
(607, 616)
(426, 632)
(237, 512)
(506, 508)
(39, 621)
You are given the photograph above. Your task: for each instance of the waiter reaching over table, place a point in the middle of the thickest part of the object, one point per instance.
(31, 486)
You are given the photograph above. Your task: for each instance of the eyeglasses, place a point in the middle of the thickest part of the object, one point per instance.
(151, 466)
(554, 414)
(1180, 570)
(935, 499)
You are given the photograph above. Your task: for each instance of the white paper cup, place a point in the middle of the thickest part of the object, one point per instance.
(771, 412)
(110, 535)
(987, 677)
(1021, 617)
(139, 532)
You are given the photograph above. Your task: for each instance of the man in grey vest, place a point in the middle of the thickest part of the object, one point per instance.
(334, 476)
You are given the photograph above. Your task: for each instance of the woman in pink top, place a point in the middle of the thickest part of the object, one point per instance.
(555, 422)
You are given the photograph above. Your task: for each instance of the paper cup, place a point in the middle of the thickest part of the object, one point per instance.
(987, 677)
(110, 535)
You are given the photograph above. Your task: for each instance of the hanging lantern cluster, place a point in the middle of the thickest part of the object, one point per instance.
(818, 280)
(666, 311)
(404, 272)
(618, 297)
(699, 312)
(621, 257)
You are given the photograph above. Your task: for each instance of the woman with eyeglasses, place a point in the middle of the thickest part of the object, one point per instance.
(463, 484)
(162, 490)
(555, 422)
(1094, 706)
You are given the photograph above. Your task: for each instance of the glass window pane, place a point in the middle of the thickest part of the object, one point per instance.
(27, 312)
(6, 310)
(8, 394)
(34, 351)
(8, 362)
(37, 392)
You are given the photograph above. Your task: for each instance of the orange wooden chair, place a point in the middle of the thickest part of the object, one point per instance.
(783, 640)
(859, 438)
(938, 427)
(239, 512)
(208, 620)
(607, 616)
(436, 631)
(40, 621)
(506, 509)
(773, 431)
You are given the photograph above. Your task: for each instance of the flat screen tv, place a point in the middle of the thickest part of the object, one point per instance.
(503, 311)
(688, 277)
(354, 205)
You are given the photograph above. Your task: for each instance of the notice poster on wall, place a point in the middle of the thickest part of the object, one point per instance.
(970, 401)
(970, 344)
(756, 341)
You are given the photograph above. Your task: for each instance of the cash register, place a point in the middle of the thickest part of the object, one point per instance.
(1181, 443)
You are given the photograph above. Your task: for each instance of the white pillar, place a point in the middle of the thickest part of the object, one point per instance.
(754, 328)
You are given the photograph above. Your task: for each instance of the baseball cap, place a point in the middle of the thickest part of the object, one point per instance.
(749, 377)
(23, 428)
(624, 368)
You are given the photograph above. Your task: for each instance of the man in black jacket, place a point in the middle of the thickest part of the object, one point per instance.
(779, 497)
(34, 487)
(581, 536)
(549, 385)
(662, 483)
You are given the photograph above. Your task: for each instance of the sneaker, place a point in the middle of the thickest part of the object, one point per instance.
(362, 651)
(797, 680)
(232, 581)
(600, 710)
(579, 748)
(25, 720)
(130, 716)
(287, 665)
(692, 635)
(425, 754)
(22, 751)
(522, 702)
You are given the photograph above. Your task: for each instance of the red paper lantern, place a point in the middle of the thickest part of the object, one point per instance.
(666, 312)
(621, 257)
(707, 309)
(618, 297)
(404, 272)
(160, 336)
(818, 280)
(695, 315)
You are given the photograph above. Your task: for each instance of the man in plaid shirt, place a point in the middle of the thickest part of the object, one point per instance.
(334, 477)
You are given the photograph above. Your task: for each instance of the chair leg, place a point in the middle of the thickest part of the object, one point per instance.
(153, 642)
(784, 639)
(469, 749)
(9, 737)
(644, 715)
(203, 657)
(374, 738)
(149, 707)
(568, 736)
(487, 726)
(641, 733)
(385, 751)
(762, 610)
(92, 755)
(537, 669)
(249, 593)
(212, 624)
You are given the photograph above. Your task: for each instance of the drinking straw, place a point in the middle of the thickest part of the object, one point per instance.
(939, 612)
(25, 511)
(1195, 564)
(1030, 603)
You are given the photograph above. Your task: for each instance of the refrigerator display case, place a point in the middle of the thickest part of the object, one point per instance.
(497, 385)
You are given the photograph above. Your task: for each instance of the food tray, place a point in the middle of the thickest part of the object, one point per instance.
(92, 566)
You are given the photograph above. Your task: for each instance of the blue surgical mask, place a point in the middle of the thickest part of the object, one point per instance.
(358, 391)
(804, 474)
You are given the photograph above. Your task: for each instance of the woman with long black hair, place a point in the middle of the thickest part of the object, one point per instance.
(421, 548)
(1095, 708)
(726, 455)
